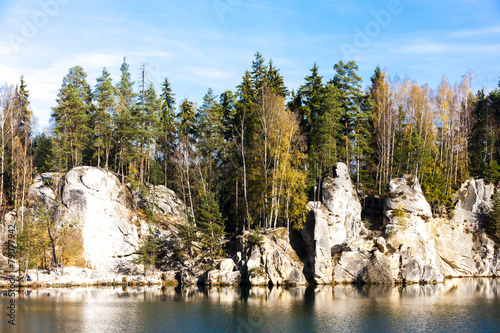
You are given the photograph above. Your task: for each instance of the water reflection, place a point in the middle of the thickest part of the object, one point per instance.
(458, 305)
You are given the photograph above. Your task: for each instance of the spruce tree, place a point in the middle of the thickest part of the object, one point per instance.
(105, 97)
(71, 117)
(210, 223)
(210, 136)
(356, 115)
(166, 135)
(124, 122)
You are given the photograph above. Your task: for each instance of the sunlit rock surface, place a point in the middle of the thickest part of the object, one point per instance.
(103, 221)
(97, 210)
(336, 221)
(415, 246)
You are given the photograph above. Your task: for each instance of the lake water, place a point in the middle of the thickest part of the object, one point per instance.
(458, 305)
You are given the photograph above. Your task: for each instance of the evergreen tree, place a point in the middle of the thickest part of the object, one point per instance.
(258, 76)
(275, 81)
(484, 139)
(356, 114)
(185, 153)
(148, 251)
(124, 122)
(166, 136)
(210, 137)
(311, 94)
(71, 117)
(210, 223)
(43, 156)
(105, 96)
(228, 108)
(150, 130)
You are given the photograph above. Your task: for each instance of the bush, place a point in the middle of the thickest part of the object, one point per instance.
(255, 238)
(491, 221)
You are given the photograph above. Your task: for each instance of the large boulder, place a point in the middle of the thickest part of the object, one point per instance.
(406, 194)
(336, 221)
(472, 201)
(463, 246)
(96, 212)
(160, 200)
(410, 232)
(272, 262)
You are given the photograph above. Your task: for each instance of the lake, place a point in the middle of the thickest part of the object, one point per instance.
(458, 305)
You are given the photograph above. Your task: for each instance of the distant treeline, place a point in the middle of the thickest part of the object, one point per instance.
(259, 150)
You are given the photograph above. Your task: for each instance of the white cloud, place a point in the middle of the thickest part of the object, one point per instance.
(495, 30)
(210, 72)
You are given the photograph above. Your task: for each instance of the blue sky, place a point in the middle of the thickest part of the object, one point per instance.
(200, 44)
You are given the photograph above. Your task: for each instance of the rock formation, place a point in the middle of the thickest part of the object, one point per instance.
(104, 221)
(415, 246)
(98, 210)
(335, 223)
(463, 246)
(409, 233)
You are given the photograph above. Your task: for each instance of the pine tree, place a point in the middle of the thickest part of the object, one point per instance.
(151, 122)
(105, 96)
(311, 94)
(124, 122)
(355, 116)
(148, 250)
(71, 117)
(166, 136)
(43, 157)
(184, 154)
(258, 76)
(210, 137)
(275, 81)
(210, 223)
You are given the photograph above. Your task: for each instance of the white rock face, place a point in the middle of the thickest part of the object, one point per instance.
(406, 193)
(269, 263)
(409, 232)
(464, 248)
(162, 200)
(473, 198)
(337, 221)
(93, 202)
(430, 248)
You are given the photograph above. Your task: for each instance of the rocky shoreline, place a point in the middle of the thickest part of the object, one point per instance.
(410, 246)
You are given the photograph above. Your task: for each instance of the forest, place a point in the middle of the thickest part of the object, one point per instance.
(253, 156)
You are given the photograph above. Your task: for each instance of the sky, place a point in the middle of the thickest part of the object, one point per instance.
(201, 44)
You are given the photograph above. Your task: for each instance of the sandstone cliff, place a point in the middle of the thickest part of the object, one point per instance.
(99, 219)
(415, 247)
(104, 221)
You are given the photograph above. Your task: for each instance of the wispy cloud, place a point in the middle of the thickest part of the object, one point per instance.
(210, 72)
(488, 31)
(263, 7)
